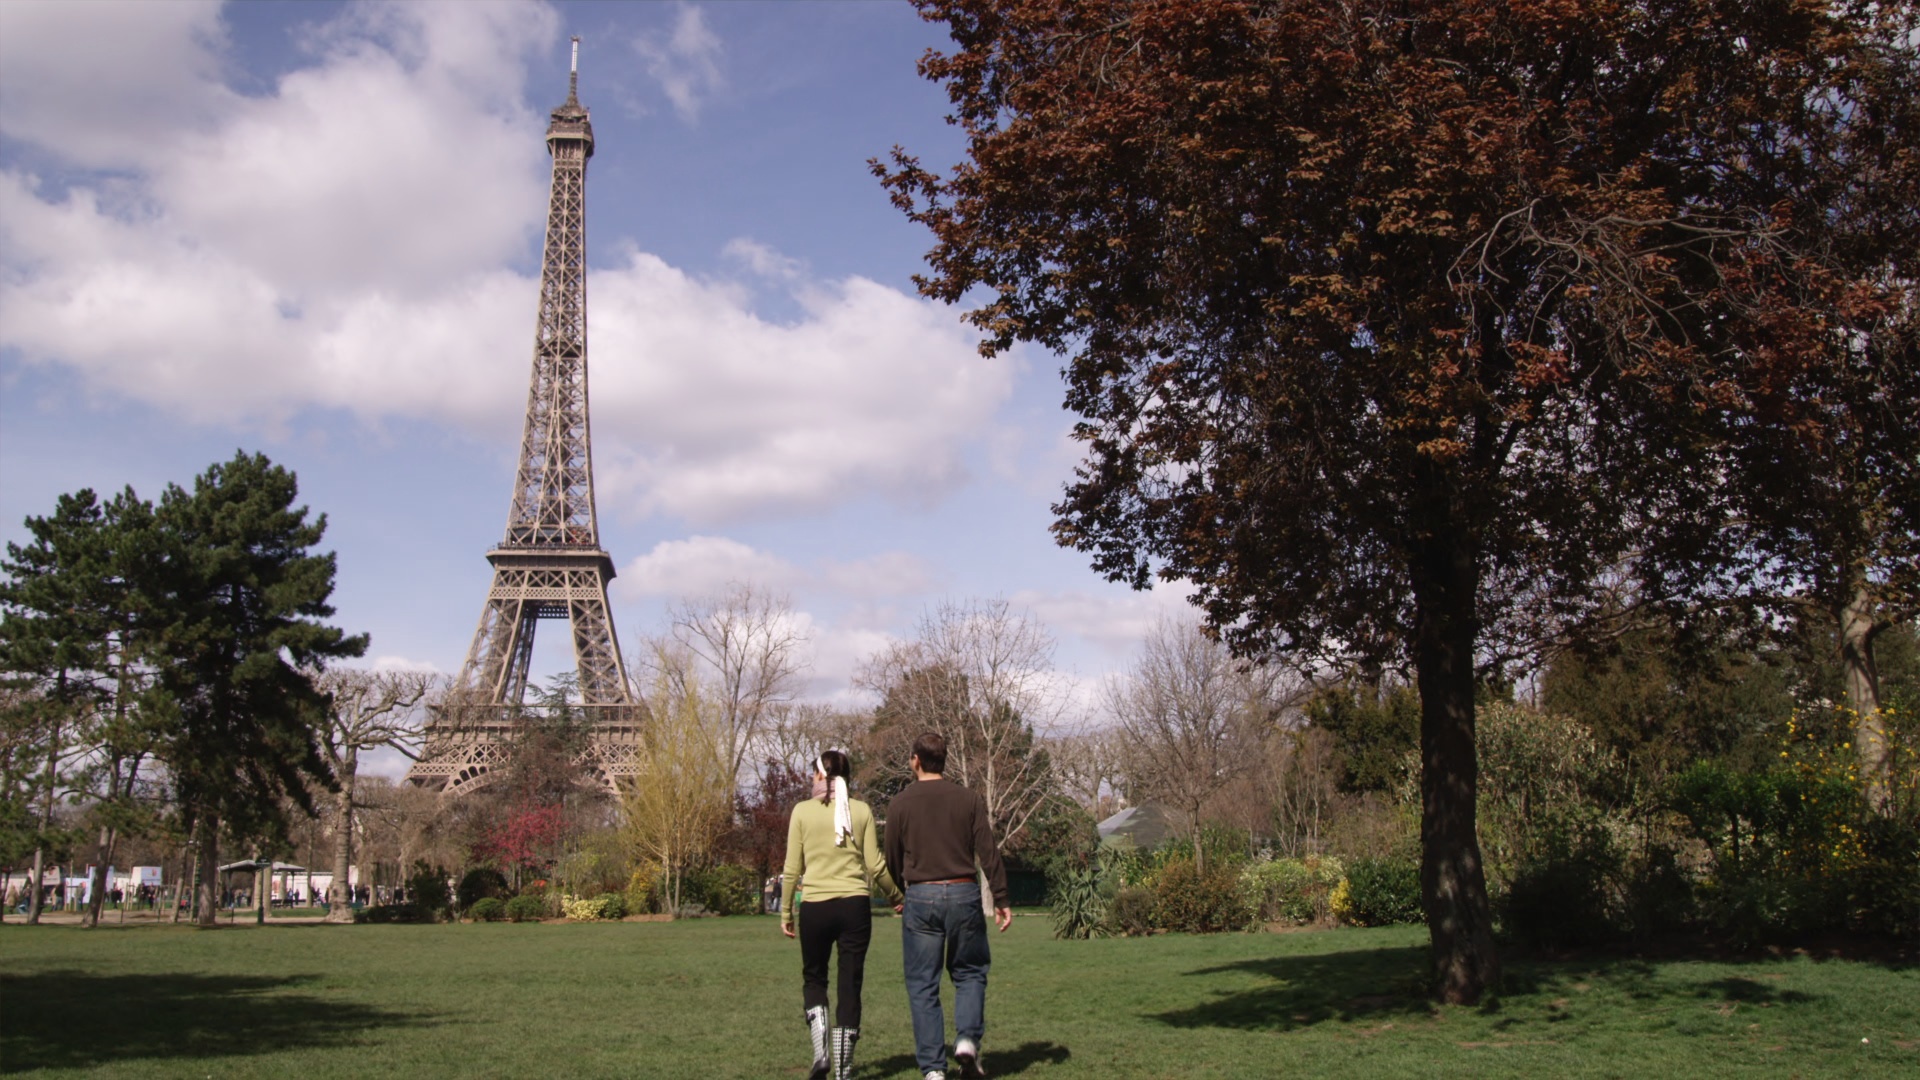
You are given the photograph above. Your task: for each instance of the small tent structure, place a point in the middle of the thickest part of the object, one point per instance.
(262, 873)
(1146, 825)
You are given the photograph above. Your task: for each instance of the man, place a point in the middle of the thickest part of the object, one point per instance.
(938, 840)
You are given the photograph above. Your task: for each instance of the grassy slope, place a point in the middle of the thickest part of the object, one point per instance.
(718, 998)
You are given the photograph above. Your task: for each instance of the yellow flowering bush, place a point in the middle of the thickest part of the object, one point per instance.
(1796, 847)
(1340, 901)
(604, 906)
(1293, 890)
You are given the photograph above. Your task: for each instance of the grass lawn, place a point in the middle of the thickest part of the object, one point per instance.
(721, 998)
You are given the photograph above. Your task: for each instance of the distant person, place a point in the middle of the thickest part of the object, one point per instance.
(833, 856)
(939, 839)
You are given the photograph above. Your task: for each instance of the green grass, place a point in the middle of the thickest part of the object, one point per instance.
(721, 997)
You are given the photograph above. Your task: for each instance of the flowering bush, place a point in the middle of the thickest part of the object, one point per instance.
(643, 889)
(1796, 848)
(1340, 901)
(604, 906)
(1293, 890)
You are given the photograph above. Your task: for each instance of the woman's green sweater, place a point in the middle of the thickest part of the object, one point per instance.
(828, 872)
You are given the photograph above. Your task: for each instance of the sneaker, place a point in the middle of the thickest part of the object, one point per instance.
(933, 1074)
(968, 1055)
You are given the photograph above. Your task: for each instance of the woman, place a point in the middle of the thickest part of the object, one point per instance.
(833, 855)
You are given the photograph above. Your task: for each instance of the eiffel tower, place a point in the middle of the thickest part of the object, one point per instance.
(550, 566)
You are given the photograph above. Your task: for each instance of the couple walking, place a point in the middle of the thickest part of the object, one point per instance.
(938, 841)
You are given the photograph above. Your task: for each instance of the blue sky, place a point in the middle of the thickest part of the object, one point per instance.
(313, 230)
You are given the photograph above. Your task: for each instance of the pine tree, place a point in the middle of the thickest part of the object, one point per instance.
(239, 607)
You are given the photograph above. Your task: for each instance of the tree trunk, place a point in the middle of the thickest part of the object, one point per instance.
(97, 881)
(1857, 627)
(207, 898)
(339, 900)
(180, 884)
(39, 875)
(46, 825)
(1453, 884)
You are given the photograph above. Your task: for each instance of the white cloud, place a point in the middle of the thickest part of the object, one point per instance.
(402, 663)
(1115, 622)
(102, 83)
(763, 260)
(718, 412)
(702, 565)
(891, 573)
(685, 61)
(342, 241)
(839, 649)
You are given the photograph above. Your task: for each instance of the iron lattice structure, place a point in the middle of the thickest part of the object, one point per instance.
(550, 566)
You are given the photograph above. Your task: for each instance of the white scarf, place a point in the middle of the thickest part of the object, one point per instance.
(842, 810)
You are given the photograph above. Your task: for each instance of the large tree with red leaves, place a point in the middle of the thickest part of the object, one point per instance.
(1394, 326)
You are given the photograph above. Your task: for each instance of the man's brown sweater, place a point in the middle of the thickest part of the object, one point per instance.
(937, 831)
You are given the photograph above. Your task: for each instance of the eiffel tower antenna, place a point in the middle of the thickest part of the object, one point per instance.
(550, 566)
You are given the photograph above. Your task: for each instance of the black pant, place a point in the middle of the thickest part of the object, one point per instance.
(847, 921)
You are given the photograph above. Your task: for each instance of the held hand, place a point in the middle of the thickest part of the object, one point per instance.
(899, 909)
(786, 928)
(1003, 917)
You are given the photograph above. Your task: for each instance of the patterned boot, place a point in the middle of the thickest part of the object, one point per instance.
(843, 1040)
(817, 1027)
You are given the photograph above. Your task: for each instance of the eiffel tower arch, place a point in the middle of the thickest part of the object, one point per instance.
(550, 565)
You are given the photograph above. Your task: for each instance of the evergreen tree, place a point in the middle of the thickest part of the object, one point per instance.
(53, 630)
(239, 607)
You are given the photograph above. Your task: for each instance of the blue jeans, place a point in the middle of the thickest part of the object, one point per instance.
(944, 923)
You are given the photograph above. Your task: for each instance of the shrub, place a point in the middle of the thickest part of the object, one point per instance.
(1565, 892)
(1784, 844)
(1131, 865)
(604, 906)
(1197, 902)
(480, 883)
(526, 909)
(726, 889)
(643, 890)
(427, 886)
(1381, 892)
(1292, 890)
(1079, 902)
(1659, 893)
(1535, 768)
(487, 909)
(1224, 845)
(395, 913)
(1059, 837)
(1884, 887)
(1131, 911)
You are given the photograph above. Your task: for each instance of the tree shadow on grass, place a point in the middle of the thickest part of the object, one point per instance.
(1010, 1062)
(1306, 990)
(1386, 984)
(1637, 978)
(73, 1019)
